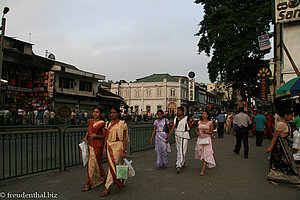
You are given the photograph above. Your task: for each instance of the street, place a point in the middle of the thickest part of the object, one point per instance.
(233, 178)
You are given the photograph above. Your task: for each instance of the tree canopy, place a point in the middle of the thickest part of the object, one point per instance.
(228, 33)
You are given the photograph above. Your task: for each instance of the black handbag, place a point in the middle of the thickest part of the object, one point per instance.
(166, 128)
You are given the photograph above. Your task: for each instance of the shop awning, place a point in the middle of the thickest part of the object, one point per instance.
(291, 87)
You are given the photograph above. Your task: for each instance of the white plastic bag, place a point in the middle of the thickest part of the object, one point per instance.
(131, 171)
(84, 152)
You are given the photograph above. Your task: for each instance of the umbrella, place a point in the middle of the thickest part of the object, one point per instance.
(291, 87)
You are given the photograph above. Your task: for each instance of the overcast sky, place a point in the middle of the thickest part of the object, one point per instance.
(121, 39)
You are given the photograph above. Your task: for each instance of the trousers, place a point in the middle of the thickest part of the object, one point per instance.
(181, 147)
(242, 135)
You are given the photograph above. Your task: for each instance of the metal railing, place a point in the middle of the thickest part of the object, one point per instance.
(140, 135)
(29, 150)
(71, 137)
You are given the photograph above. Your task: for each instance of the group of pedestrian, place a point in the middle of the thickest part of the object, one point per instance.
(105, 138)
(78, 118)
(181, 127)
(285, 145)
(21, 116)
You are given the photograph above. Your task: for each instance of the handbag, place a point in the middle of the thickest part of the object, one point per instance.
(203, 141)
(131, 171)
(84, 152)
(166, 128)
(122, 171)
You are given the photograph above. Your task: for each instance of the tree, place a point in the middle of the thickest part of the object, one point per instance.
(228, 34)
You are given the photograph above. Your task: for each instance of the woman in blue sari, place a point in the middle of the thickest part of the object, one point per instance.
(161, 130)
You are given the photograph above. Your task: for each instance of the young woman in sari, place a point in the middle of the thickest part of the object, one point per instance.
(96, 137)
(161, 146)
(116, 139)
(205, 152)
(282, 165)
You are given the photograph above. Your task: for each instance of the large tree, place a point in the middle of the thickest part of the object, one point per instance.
(228, 33)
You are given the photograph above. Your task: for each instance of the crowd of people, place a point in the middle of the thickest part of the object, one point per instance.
(283, 128)
(21, 116)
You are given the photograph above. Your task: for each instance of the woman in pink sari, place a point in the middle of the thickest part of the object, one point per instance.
(96, 137)
(203, 149)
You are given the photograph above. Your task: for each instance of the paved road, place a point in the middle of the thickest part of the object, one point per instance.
(233, 178)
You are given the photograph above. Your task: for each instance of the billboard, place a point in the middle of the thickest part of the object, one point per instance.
(287, 10)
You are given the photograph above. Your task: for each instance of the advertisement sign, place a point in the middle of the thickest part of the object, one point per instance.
(191, 89)
(287, 10)
(264, 42)
(51, 76)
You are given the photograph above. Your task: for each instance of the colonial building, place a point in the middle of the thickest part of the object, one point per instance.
(154, 92)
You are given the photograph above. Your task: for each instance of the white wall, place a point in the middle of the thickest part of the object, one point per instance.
(291, 38)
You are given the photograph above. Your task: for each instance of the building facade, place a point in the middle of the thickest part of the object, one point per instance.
(154, 92)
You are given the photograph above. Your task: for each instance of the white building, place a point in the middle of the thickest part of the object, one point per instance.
(154, 92)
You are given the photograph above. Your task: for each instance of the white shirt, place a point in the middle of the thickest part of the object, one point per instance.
(182, 128)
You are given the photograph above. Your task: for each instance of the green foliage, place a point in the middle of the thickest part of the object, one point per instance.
(228, 34)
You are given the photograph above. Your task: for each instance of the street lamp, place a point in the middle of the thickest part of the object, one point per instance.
(5, 11)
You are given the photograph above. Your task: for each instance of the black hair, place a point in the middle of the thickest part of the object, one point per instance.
(208, 115)
(241, 109)
(99, 108)
(181, 108)
(117, 109)
(285, 111)
(160, 111)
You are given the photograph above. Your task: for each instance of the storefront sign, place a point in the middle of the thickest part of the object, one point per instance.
(191, 89)
(51, 77)
(287, 10)
(264, 89)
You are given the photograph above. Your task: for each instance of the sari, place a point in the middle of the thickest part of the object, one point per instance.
(282, 165)
(95, 171)
(161, 147)
(115, 138)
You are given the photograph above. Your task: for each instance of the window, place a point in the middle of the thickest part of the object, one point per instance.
(65, 83)
(159, 107)
(148, 92)
(137, 92)
(85, 86)
(158, 92)
(173, 92)
(148, 108)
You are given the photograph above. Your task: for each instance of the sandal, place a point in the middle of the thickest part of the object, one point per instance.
(86, 188)
(105, 193)
(202, 173)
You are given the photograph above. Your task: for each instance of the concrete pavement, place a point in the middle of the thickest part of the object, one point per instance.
(233, 178)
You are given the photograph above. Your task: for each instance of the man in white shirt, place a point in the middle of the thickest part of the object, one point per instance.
(241, 131)
(181, 126)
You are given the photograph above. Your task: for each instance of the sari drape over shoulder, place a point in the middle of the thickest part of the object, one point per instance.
(95, 171)
(115, 136)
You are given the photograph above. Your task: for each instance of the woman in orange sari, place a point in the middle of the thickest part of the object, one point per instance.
(96, 139)
(116, 139)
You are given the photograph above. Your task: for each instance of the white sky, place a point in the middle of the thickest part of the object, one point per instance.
(121, 39)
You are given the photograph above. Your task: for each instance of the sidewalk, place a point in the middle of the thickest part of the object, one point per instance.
(233, 178)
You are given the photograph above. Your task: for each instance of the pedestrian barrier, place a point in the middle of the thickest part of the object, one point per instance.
(28, 150)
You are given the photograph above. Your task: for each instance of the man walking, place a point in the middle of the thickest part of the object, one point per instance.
(181, 127)
(241, 131)
(259, 124)
(220, 124)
